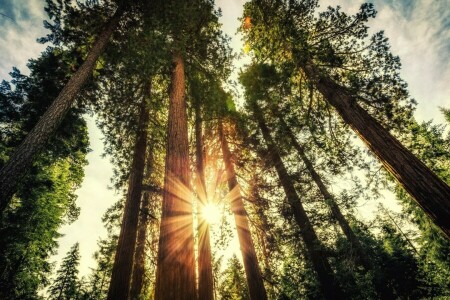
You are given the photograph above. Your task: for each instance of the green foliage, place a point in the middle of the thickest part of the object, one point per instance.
(66, 285)
(46, 198)
(232, 284)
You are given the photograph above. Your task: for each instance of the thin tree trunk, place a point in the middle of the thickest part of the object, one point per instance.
(429, 191)
(137, 280)
(325, 275)
(251, 266)
(205, 272)
(175, 276)
(22, 158)
(329, 199)
(123, 262)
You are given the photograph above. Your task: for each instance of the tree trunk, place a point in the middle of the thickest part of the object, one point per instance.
(22, 158)
(429, 191)
(205, 272)
(137, 280)
(175, 276)
(360, 256)
(319, 261)
(123, 262)
(251, 266)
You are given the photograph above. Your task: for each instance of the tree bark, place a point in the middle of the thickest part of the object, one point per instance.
(329, 199)
(22, 158)
(251, 266)
(205, 272)
(123, 262)
(428, 190)
(328, 284)
(137, 280)
(175, 276)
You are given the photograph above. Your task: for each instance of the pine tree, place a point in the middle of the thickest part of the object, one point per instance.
(29, 226)
(21, 160)
(123, 262)
(329, 285)
(326, 41)
(232, 284)
(176, 274)
(252, 270)
(66, 284)
(205, 272)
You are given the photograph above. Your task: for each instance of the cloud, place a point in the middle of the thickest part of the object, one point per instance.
(18, 35)
(419, 33)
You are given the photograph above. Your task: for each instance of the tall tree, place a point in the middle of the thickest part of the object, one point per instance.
(20, 161)
(232, 284)
(431, 193)
(66, 284)
(123, 262)
(349, 80)
(137, 280)
(329, 286)
(252, 270)
(175, 277)
(205, 272)
(329, 199)
(29, 227)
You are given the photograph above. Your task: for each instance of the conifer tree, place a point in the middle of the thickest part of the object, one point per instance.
(66, 284)
(123, 263)
(252, 269)
(329, 285)
(232, 284)
(29, 226)
(21, 160)
(326, 41)
(205, 276)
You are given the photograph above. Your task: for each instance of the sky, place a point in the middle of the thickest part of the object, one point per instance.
(419, 32)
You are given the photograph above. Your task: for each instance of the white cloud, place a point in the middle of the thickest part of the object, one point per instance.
(419, 33)
(18, 37)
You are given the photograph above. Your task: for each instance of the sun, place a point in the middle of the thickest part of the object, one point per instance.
(211, 213)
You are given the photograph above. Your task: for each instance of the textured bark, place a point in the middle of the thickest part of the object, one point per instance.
(325, 275)
(428, 190)
(137, 280)
(175, 276)
(360, 256)
(205, 272)
(123, 261)
(251, 266)
(22, 158)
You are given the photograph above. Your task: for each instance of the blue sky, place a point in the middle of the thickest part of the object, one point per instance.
(419, 32)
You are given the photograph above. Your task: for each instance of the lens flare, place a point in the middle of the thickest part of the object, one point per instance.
(211, 213)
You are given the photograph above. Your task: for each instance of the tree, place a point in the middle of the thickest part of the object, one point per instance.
(66, 284)
(328, 41)
(253, 273)
(176, 274)
(123, 262)
(29, 226)
(137, 280)
(232, 284)
(205, 272)
(21, 160)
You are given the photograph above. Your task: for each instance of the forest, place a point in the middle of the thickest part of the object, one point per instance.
(235, 180)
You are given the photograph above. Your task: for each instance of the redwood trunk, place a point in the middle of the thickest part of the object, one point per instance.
(205, 272)
(329, 199)
(137, 280)
(252, 271)
(175, 276)
(23, 156)
(429, 191)
(123, 262)
(319, 261)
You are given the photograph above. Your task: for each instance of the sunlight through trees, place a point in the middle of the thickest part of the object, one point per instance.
(236, 180)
